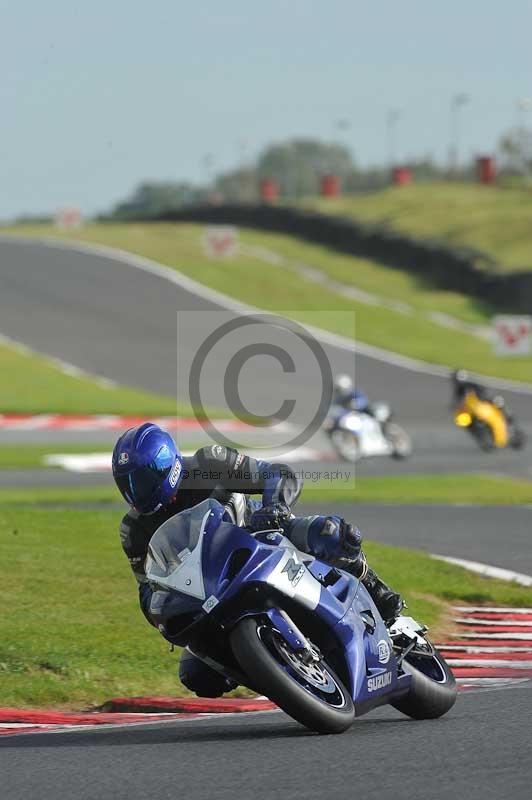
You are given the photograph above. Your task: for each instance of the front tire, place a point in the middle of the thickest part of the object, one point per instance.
(311, 694)
(432, 690)
(518, 439)
(484, 436)
(346, 445)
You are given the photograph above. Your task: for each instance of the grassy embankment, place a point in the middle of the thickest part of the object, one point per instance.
(74, 636)
(491, 219)
(32, 384)
(279, 287)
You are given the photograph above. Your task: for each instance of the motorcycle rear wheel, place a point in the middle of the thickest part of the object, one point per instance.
(432, 690)
(310, 693)
(399, 439)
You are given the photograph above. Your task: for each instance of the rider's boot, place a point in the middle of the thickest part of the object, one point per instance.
(389, 603)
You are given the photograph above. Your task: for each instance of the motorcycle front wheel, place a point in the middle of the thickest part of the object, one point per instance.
(518, 439)
(310, 693)
(483, 435)
(346, 444)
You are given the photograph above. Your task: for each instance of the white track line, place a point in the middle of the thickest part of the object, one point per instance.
(479, 662)
(64, 366)
(483, 649)
(493, 609)
(21, 725)
(520, 623)
(524, 637)
(509, 682)
(222, 300)
(142, 723)
(487, 570)
(101, 462)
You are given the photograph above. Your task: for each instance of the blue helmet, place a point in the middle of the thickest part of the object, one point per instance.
(147, 467)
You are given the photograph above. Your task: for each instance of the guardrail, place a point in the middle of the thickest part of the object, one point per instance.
(461, 269)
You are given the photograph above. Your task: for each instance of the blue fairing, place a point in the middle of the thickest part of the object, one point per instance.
(200, 562)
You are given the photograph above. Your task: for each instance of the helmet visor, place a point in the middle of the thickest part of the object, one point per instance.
(140, 486)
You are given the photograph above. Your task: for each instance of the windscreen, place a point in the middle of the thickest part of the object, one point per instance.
(173, 542)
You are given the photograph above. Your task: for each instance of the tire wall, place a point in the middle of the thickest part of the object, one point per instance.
(463, 270)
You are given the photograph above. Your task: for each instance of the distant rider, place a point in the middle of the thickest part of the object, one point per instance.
(158, 482)
(462, 384)
(347, 396)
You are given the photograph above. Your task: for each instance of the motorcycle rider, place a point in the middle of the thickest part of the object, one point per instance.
(462, 383)
(157, 482)
(347, 396)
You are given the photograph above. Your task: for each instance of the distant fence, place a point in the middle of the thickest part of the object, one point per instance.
(460, 269)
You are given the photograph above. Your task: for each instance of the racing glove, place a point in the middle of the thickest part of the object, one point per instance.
(272, 517)
(333, 537)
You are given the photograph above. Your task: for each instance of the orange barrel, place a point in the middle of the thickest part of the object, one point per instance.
(487, 169)
(269, 190)
(402, 176)
(330, 186)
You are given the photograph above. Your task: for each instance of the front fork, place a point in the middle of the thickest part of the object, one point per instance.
(286, 627)
(297, 640)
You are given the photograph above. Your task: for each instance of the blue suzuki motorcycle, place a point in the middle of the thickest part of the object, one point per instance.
(305, 634)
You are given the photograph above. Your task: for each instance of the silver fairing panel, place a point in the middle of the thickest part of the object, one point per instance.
(291, 577)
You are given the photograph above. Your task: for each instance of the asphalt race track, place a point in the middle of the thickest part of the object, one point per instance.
(119, 322)
(480, 750)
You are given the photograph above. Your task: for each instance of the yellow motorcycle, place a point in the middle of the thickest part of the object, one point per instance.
(488, 423)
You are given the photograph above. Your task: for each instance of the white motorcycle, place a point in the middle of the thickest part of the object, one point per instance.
(355, 434)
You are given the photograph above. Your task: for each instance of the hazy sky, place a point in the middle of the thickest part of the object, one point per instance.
(96, 96)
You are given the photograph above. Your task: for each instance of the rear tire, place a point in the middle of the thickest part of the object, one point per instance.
(428, 698)
(269, 660)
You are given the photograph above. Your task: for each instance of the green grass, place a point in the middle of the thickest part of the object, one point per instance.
(493, 220)
(32, 456)
(73, 636)
(411, 489)
(67, 497)
(31, 384)
(279, 288)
